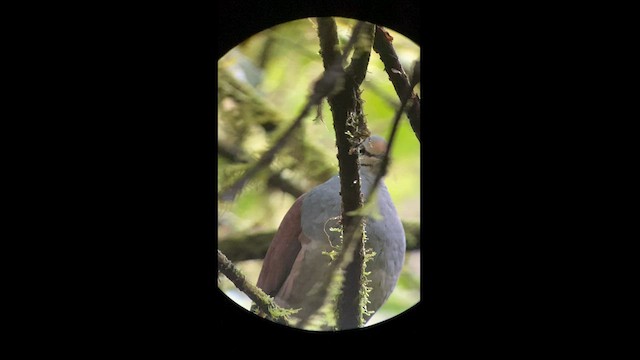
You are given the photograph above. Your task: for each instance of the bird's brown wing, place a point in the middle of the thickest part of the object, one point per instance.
(283, 251)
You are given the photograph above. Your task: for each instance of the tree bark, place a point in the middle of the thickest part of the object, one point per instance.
(350, 129)
(263, 301)
(383, 46)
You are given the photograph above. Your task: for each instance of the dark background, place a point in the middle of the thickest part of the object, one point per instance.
(125, 179)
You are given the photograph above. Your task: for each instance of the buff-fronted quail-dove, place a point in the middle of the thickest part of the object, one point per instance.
(296, 263)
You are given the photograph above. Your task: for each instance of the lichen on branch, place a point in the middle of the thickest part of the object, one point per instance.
(264, 302)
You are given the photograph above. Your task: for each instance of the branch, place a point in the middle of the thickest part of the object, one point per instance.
(254, 246)
(329, 44)
(284, 185)
(263, 301)
(382, 45)
(233, 154)
(394, 128)
(275, 180)
(266, 158)
(247, 247)
(361, 54)
(244, 102)
(346, 113)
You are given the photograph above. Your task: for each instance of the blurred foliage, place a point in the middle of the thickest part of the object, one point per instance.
(263, 83)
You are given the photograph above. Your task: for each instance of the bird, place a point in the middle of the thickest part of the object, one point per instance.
(296, 263)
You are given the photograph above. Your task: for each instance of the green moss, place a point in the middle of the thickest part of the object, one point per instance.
(365, 289)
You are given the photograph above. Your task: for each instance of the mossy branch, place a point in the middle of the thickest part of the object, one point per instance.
(350, 129)
(263, 301)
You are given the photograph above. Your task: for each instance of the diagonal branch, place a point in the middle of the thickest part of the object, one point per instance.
(276, 180)
(259, 297)
(396, 122)
(383, 46)
(266, 158)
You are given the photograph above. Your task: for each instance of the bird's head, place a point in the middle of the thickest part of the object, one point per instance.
(372, 152)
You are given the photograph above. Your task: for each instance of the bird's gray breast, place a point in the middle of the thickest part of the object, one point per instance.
(321, 213)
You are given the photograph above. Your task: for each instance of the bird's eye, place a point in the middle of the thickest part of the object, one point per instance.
(361, 150)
